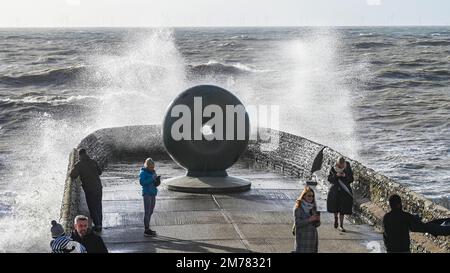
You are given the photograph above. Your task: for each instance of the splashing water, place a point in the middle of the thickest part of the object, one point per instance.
(316, 99)
(37, 178)
(139, 85)
(314, 95)
(134, 88)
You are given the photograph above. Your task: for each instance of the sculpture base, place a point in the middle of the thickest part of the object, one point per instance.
(207, 184)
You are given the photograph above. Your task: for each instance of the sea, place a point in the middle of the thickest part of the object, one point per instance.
(380, 95)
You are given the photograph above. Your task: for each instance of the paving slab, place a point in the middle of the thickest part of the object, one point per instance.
(258, 220)
(170, 245)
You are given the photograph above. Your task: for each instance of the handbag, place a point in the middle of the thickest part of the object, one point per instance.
(157, 181)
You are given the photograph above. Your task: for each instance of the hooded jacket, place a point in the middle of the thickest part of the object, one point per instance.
(147, 181)
(89, 173)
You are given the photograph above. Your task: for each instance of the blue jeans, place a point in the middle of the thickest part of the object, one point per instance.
(149, 206)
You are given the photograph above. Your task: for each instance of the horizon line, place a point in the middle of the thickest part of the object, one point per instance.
(222, 26)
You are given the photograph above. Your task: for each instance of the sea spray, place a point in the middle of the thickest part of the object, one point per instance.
(132, 88)
(317, 99)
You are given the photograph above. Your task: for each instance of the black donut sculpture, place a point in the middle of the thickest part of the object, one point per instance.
(205, 130)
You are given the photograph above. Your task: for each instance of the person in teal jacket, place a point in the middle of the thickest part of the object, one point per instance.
(147, 179)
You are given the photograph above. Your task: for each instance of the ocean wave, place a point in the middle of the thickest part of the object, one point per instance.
(228, 44)
(250, 38)
(370, 34)
(431, 43)
(437, 72)
(371, 44)
(59, 76)
(65, 52)
(46, 60)
(214, 67)
(44, 100)
(423, 75)
(417, 77)
(411, 166)
(392, 74)
(378, 62)
(409, 64)
(416, 62)
(235, 37)
(404, 84)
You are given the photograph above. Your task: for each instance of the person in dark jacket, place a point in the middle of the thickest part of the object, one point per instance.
(398, 223)
(91, 241)
(89, 172)
(340, 195)
(147, 179)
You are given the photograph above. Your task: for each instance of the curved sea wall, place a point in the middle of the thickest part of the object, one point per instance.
(291, 154)
(295, 155)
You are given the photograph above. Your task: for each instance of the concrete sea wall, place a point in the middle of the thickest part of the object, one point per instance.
(295, 155)
(291, 154)
(105, 145)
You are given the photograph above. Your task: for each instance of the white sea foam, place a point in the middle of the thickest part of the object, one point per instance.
(131, 95)
(316, 101)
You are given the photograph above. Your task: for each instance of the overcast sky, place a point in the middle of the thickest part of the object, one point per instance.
(110, 13)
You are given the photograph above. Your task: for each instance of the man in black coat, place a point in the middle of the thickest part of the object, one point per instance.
(398, 223)
(89, 173)
(92, 242)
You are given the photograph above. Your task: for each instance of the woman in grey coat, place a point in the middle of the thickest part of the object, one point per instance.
(307, 219)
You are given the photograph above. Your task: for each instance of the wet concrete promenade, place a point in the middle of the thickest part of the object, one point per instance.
(259, 220)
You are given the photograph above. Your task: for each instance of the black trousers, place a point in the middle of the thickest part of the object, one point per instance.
(94, 203)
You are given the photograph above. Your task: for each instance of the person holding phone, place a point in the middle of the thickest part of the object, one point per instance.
(307, 220)
(149, 181)
(340, 195)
